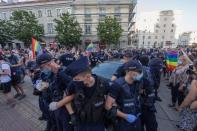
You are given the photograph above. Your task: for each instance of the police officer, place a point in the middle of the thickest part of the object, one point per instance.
(66, 59)
(156, 65)
(57, 83)
(123, 98)
(148, 117)
(87, 109)
(120, 71)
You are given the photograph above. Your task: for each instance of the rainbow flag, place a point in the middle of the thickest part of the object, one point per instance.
(90, 48)
(172, 60)
(36, 47)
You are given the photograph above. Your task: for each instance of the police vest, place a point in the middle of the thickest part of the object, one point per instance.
(91, 110)
(129, 101)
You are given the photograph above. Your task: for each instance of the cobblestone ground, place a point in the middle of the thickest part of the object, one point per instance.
(24, 116)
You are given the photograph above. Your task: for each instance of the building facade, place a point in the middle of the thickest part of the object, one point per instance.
(87, 12)
(45, 11)
(188, 38)
(158, 29)
(90, 12)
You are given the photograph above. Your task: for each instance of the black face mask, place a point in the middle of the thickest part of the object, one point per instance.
(79, 83)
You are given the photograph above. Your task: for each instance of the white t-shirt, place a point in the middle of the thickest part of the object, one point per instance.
(30, 55)
(5, 78)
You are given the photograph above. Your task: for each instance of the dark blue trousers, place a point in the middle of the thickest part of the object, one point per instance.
(62, 119)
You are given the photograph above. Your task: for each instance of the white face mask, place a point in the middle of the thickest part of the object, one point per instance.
(138, 77)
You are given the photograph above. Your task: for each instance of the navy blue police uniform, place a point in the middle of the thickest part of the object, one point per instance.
(66, 59)
(58, 83)
(148, 118)
(89, 102)
(127, 99)
(155, 69)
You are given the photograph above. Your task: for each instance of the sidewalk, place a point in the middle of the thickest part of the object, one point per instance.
(24, 116)
(167, 117)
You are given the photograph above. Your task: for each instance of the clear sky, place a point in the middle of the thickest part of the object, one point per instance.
(189, 8)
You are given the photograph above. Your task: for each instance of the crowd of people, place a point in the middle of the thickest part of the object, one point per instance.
(71, 98)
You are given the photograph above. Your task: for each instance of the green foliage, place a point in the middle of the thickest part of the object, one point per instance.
(69, 32)
(25, 26)
(6, 34)
(109, 31)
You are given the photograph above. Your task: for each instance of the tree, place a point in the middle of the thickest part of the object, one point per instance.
(25, 26)
(68, 30)
(6, 34)
(109, 31)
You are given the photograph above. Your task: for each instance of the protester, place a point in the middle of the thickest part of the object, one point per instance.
(5, 78)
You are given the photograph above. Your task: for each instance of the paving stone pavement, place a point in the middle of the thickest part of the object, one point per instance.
(24, 116)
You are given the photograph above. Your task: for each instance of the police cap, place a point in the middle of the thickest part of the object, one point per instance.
(43, 59)
(78, 66)
(133, 65)
(66, 59)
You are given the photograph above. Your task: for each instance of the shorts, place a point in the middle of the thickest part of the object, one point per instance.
(16, 79)
(6, 87)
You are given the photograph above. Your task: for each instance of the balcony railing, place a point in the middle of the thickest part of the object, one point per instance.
(104, 2)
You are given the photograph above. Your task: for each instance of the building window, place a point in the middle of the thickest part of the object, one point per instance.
(87, 29)
(49, 14)
(156, 31)
(143, 37)
(164, 30)
(50, 28)
(4, 16)
(117, 12)
(87, 12)
(172, 25)
(149, 37)
(102, 11)
(163, 37)
(156, 37)
(39, 13)
(172, 30)
(59, 12)
(165, 19)
(164, 25)
(157, 26)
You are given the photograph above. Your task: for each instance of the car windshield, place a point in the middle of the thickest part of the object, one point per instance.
(106, 69)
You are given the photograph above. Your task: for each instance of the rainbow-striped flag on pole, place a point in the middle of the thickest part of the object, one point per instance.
(36, 47)
(90, 48)
(172, 60)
